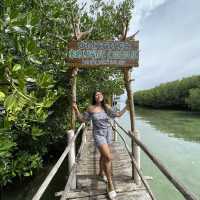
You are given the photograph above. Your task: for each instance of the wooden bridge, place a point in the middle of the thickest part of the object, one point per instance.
(88, 184)
(83, 182)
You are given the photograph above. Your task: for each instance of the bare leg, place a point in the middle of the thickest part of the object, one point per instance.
(111, 169)
(111, 163)
(107, 158)
(101, 167)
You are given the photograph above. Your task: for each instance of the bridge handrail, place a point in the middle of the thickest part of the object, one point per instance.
(55, 168)
(179, 186)
(137, 167)
(73, 169)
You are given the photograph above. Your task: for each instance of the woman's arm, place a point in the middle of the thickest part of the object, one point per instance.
(79, 115)
(119, 113)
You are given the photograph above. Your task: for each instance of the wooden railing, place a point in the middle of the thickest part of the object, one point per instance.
(72, 174)
(55, 168)
(180, 187)
(136, 166)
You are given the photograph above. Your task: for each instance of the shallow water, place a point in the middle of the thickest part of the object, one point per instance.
(174, 137)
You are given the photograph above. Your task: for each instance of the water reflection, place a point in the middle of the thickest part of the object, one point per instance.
(179, 124)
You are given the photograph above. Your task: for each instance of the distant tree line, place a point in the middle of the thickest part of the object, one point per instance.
(179, 94)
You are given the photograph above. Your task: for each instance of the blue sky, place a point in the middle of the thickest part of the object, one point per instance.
(169, 41)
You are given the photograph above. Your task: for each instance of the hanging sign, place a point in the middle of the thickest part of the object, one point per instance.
(106, 53)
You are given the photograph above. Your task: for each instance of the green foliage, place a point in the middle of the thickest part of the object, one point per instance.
(36, 96)
(180, 94)
(23, 165)
(193, 100)
(2, 96)
(6, 146)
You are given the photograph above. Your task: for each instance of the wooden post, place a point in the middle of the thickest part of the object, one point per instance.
(73, 97)
(137, 156)
(78, 36)
(135, 149)
(114, 124)
(114, 132)
(71, 156)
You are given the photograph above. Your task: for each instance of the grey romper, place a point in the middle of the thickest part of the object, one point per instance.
(102, 130)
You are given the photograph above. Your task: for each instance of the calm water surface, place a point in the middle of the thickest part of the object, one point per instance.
(174, 137)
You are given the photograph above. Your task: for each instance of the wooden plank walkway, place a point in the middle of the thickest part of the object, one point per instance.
(89, 187)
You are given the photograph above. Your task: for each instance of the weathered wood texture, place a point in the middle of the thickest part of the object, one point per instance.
(73, 96)
(134, 147)
(55, 168)
(103, 53)
(88, 184)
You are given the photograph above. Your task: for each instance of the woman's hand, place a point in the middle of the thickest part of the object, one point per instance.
(74, 106)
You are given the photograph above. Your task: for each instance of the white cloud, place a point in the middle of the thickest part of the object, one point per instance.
(169, 42)
(143, 9)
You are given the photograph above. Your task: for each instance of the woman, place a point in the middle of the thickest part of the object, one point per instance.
(100, 112)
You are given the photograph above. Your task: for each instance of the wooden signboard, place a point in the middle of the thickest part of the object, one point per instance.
(103, 53)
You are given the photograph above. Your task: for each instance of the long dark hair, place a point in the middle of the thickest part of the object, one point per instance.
(103, 103)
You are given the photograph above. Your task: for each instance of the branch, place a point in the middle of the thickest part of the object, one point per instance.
(125, 29)
(73, 25)
(77, 26)
(83, 6)
(131, 80)
(78, 35)
(82, 35)
(132, 37)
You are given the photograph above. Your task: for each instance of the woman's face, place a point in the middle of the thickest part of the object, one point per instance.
(98, 97)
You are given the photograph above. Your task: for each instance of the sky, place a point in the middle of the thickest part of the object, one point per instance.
(169, 41)
(169, 36)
